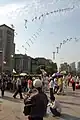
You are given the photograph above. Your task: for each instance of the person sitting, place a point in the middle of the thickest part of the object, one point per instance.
(55, 107)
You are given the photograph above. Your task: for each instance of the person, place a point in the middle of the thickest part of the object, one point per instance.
(19, 89)
(55, 107)
(73, 80)
(29, 83)
(36, 103)
(51, 87)
(65, 84)
(77, 80)
(55, 85)
(2, 88)
(60, 84)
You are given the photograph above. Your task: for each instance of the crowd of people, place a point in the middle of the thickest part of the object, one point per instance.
(35, 92)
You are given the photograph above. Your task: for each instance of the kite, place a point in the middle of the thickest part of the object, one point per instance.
(31, 41)
(57, 49)
(53, 55)
(60, 45)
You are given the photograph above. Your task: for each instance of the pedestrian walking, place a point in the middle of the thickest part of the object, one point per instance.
(73, 81)
(29, 83)
(2, 88)
(19, 89)
(60, 84)
(51, 88)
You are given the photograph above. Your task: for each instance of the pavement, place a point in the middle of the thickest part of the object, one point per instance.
(12, 109)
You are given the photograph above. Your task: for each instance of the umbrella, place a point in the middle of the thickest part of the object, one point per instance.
(57, 75)
(14, 71)
(63, 72)
(23, 74)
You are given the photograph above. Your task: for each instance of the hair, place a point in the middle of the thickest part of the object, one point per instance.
(30, 77)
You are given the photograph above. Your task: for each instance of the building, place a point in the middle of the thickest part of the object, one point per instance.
(7, 48)
(34, 65)
(22, 63)
(78, 67)
(73, 66)
(65, 67)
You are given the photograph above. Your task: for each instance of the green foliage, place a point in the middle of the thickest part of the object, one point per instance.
(50, 69)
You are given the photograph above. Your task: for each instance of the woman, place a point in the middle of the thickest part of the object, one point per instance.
(51, 84)
(29, 84)
(73, 80)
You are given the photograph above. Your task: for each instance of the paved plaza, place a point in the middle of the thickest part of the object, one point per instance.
(12, 109)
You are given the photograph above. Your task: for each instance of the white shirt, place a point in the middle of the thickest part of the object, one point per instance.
(18, 81)
(56, 105)
(77, 79)
(51, 84)
(74, 79)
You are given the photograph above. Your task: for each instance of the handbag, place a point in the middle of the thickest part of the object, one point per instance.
(27, 109)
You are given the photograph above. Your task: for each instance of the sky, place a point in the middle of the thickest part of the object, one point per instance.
(54, 28)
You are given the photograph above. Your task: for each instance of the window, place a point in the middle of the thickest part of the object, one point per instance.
(0, 34)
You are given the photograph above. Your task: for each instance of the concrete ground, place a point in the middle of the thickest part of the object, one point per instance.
(12, 109)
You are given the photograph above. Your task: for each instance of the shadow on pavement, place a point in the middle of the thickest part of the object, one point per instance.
(73, 94)
(69, 117)
(71, 103)
(12, 99)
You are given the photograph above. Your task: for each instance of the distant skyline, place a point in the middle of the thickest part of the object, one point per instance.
(55, 28)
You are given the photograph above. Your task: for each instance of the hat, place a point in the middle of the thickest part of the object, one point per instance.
(37, 83)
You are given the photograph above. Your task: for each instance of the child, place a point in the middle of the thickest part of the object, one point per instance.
(55, 107)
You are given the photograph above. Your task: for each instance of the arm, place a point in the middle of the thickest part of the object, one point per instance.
(53, 105)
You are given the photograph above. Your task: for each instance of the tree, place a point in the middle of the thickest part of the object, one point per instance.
(38, 70)
(52, 68)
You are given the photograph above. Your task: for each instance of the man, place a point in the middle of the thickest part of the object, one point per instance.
(19, 89)
(37, 102)
(2, 88)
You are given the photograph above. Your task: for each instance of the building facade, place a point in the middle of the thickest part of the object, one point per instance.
(78, 67)
(7, 48)
(22, 63)
(73, 66)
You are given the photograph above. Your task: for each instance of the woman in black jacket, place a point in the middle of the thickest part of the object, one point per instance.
(36, 104)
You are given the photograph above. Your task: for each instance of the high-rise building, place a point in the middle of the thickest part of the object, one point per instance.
(73, 66)
(78, 67)
(7, 48)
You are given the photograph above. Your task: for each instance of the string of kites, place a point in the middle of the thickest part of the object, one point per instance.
(62, 43)
(34, 36)
(48, 13)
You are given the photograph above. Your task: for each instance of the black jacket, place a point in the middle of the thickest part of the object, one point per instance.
(38, 103)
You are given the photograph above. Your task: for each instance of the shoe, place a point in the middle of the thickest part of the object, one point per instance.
(21, 98)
